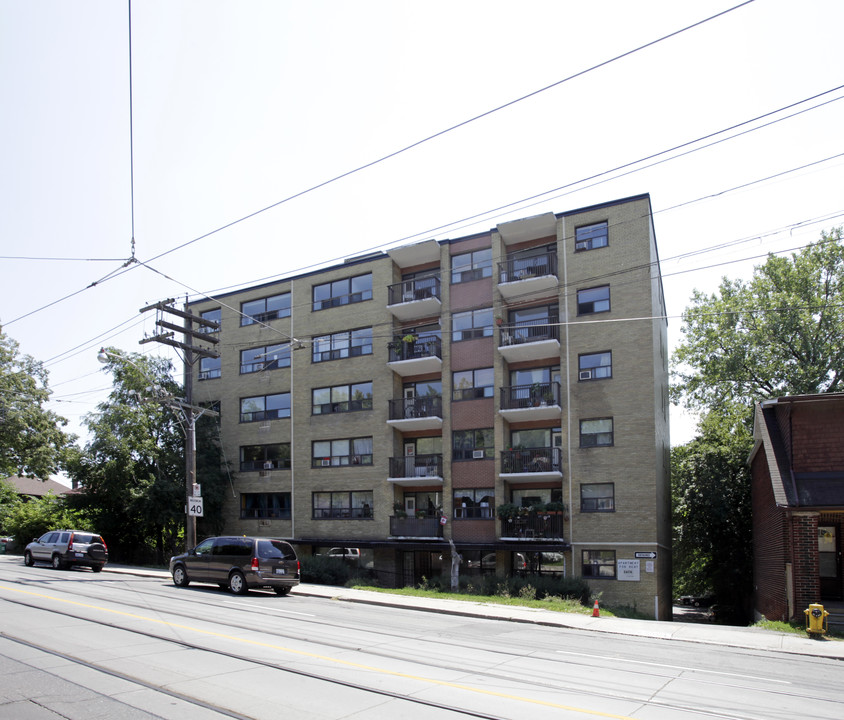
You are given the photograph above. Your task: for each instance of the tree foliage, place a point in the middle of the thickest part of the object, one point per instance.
(32, 442)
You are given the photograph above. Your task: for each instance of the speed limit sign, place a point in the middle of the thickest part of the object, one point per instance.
(195, 506)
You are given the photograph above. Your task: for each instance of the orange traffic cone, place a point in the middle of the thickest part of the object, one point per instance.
(595, 611)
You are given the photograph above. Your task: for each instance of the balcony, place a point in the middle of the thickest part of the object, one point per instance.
(414, 299)
(527, 275)
(413, 527)
(540, 525)
(416, 413)
(415, 357)
(416, 470)
(538, 401)
(530, 341)
(528, 465)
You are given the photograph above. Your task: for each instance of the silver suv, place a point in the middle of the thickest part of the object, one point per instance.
(65, 548)
(239, 563)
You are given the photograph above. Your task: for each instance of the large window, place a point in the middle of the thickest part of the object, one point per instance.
(597, 497)
(471, 324)
(265, 309)
(264, 407)
(595, 366)
(471, 384)
(350, 343)
(209, 368)
(344, 451)
(273, 456)
(342, 505)
(593, 300)
(343, 292)
(342, 398)
(598, 564)
(590, 237)
(473, 444)
(596, 433)
(474, 503)
(265, 505)
(266, 357)
(212, 315)
(471, 266)
(528, 497)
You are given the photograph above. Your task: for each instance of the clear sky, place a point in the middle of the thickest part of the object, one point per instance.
(238, 106)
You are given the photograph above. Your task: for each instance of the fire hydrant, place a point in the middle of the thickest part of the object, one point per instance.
(816, 623)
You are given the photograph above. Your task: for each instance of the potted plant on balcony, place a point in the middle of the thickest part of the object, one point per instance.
(399, 510)
(555, 508)
(421, 514)
(507, 511)
(536, 394)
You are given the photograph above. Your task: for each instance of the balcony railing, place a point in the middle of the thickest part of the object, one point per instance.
(533, 395)
(411, 290)
(416, 407)
(417, 466)
(530, 331)
(415, 527)
(524, 268)
(531, 460)
(538, 525)
(415, 349)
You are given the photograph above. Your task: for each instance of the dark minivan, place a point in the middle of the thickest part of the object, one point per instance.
(239, 563)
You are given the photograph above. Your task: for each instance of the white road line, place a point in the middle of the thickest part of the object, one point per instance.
(264, 607)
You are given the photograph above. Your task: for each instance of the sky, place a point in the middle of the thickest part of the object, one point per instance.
(245, 142)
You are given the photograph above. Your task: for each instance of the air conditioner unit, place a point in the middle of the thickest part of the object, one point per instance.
(585, 375)
(477, 454)
(265, 523)
(268, 465)
(326, 462)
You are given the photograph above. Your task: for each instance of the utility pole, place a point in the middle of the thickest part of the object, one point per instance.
(189, 411)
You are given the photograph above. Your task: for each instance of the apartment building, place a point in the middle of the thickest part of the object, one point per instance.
(507, 391)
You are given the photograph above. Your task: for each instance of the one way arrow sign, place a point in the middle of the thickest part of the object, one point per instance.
(650, 555)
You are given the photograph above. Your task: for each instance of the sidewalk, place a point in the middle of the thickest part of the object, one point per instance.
(740, 637)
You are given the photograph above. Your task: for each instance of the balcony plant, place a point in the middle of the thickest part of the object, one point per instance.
(399, 510)
(555, 507)
(507, 511)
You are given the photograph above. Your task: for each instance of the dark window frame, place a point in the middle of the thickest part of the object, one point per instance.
(265, 510)
(588, 307)
(265, 315)
(318, 460)
(281, 361)
(349, 297)
(587, 373)
(473, 392)
(586, 235)
(474, 331)
(475, 270)
(265, 414)
(476, 510)
(341, 406)
(209, 373)
(469, 444)
(347, 511)
(595, 562)
(268, 460)
(345, 345)
(584, 437)
(594, 504)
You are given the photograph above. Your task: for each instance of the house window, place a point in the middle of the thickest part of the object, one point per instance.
(265, 505)
(471, 324)
(528, 497)
(590, 237)
(596, 433)
(598, 564)
(274, 456)
(266, 357)
(341, 452)
(213, 316)
(595, 366)
(471, 266)
(471, 384)
(474, 503)
(597, 497)
(265, 309)
(209, 368)
(593, 300)
(342, 505)
(341, 398)
(337, 346)
(264, 407)
(473, 444)
(342, 292)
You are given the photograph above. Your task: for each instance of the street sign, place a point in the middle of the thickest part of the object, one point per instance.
(651, 555)
(195, 506)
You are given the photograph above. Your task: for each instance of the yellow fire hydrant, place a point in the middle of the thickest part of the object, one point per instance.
(816, 623)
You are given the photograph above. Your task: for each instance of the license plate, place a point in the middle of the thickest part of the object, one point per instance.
(79, 554)
(280, 571)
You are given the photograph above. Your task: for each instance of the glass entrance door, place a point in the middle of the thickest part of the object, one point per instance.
(829, 562)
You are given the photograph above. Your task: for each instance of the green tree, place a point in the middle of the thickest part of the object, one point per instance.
(31, 519)
(9, 500)
(32, 442)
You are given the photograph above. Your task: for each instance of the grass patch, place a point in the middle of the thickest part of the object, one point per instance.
(793, 628)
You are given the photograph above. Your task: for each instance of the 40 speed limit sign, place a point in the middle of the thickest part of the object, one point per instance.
(195, 506)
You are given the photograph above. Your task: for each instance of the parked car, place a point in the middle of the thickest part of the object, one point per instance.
(239, 563)
(351, 555)
(697, 600)
(68, 548)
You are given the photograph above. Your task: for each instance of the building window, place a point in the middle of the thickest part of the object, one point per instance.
(471, 266)
(471, 324)
(345, 451)
(342, 505)
(530, 497)
(590, 237)
(337, 346)
(265, 505)
(598, 564)
(593, 300)
(471, 384)
(595, 366)
(264, 407)
(596, 433)
(212, 315)
(275, 456)
(473, 444)
(265, 309)
(341, 398)
(474, 503)
(209, 368)
(597, 497)
(342, 292)
(266, 357)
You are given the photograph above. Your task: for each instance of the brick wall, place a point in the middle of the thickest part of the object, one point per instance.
(817, 437)
(804, 537)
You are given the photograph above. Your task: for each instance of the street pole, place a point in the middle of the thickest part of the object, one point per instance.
(190, 435)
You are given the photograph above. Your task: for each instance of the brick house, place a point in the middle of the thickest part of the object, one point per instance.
(797, 471)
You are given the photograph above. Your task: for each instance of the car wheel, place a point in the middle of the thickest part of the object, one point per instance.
(180, 576)
(237, 583)
(96, 568)
(283, 590)
(28, 559)
(58, 563)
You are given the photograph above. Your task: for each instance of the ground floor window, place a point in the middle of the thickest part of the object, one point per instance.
(344, 505)
(598, 563)
(265, 505)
